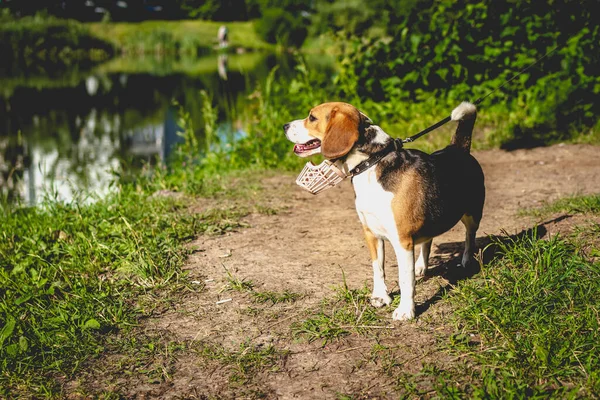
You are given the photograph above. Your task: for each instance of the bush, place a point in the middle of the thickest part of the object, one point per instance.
(43, 39)
(462, 50)
(279, 26)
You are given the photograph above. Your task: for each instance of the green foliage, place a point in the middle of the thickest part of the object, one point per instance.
(199, 166)
(215, 10)
(459, 50)
(280, 26)
(43, 39)
(350, 18)
(536, 311)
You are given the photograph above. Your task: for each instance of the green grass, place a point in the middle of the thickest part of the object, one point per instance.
(185, 36)
(247, 361)
(238, 284)
(243, 285)
(570, 205)
(535, 311)
(275, 297)
(348, 312)
(72, 275)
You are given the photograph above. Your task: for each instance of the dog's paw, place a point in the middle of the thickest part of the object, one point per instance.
(403, 313)
(420, 271)
(380, 301)
(470, 264)
(467, 260)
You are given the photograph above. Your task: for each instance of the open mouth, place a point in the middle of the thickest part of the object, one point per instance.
(311, 147)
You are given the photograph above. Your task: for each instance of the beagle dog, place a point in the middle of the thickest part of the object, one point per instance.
(405, 196)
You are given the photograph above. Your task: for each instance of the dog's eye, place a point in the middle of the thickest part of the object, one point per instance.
(311, 118)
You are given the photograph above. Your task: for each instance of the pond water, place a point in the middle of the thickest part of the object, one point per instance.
(72, 133)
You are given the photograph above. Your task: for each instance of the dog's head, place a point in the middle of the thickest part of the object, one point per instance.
(331, 129)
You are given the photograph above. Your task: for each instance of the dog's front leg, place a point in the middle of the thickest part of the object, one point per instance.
(379, 297)
(405, 253)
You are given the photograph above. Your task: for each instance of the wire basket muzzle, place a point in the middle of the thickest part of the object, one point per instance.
(317, 178)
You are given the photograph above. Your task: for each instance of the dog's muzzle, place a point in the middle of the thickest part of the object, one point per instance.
(316, 178)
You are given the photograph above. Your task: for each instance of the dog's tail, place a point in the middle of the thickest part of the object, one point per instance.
(465, 114)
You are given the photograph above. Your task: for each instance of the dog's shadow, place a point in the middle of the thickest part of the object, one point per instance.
(451, 268)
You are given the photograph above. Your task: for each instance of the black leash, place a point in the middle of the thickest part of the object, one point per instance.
(398, 143)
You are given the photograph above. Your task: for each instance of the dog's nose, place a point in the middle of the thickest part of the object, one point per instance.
(285, 127)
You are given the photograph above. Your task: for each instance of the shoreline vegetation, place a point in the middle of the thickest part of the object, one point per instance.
(48, 39)
(76, 276)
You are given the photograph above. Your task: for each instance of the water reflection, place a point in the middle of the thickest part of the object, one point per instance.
(60, 137)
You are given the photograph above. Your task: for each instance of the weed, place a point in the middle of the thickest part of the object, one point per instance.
(266, 210)
(384, 357)
(250, 311)
(275, 297)
(247, 286)
(237, 284)
(350, 311)
(219, 221)
(571, 205)
(246, 361)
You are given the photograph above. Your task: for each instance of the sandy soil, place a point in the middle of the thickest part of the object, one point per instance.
(306, 248)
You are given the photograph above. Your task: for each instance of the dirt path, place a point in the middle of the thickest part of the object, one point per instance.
(303, 249)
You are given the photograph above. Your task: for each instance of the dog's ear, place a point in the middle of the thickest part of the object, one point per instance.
(341, 133)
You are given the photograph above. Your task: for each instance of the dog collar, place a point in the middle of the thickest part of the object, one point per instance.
(375, 158)
(317, 178)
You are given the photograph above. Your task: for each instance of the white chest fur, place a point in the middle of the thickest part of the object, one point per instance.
(374, 205)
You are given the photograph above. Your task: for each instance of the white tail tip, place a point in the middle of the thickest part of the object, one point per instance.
(465, 110)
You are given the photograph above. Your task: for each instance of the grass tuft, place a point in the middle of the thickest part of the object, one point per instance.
(571, 205)
(275, 297)
(238, 284)
(350, 311)
(246, 361)
(536, 311)
(243, 285)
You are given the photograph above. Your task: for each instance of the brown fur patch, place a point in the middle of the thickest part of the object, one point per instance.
(407, 206)
(371, 242)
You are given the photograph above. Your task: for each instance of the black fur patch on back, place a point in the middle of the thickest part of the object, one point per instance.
(391, 167)
(366, 141)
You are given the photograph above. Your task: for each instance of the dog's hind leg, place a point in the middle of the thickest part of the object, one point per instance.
(405, 254)
(471, 224)
(379, 297)
(423, 259)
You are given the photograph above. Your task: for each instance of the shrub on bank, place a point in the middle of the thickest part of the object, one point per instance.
(281, 27)
(454, 50)
(48, 39)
